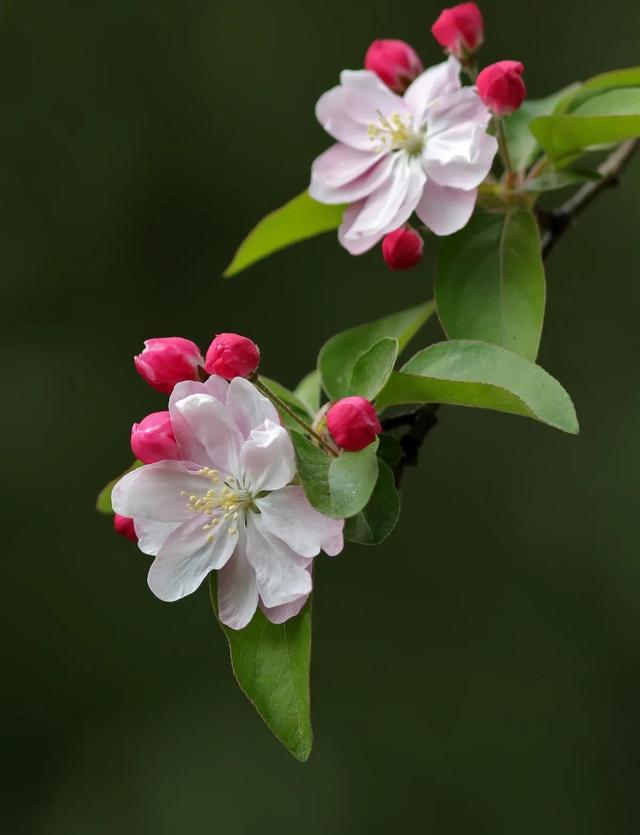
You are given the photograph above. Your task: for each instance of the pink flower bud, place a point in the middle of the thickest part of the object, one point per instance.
(460, 30)
(501, 87)
(353, 423)
(394, 62)
(231, 355)
(402, 249)
(168, 360)
(152, 439)
(124, 526)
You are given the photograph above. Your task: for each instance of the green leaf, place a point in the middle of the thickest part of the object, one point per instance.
(554, 180)
(580, 93)
(372, 369)
(271, 663)
(338, 487)
(103, 502)
(523, 146)
(490, 283)
(339, 355)
(607, 118)
(297, 220)
(374, 524)
(477, 374)
(290, 400)
(308, 392)
(389, 449)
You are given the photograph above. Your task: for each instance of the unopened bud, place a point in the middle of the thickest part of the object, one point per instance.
(167, 361)
(353, 423)
(394, 62)
(152, 439)
(123, 525)
(231, 355)
(501, 88)
(402, 249)
(460, 30)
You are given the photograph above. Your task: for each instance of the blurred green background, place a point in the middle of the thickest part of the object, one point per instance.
(480, 672)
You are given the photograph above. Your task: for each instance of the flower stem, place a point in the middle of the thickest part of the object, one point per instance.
(503, 147)
(283, 406)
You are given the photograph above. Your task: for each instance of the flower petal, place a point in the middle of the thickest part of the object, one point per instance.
(237, 588)
(152, 535)
(445, 210)
(460, 157)
(280, 573)
(212, 425)
(267, 459)
(280, 614)
(426, 88)
(344, 175)
(459, 107)
(191, 449)
(248, 408)
(288, 515)
(156, 491)
(365, 97)
(336, 120)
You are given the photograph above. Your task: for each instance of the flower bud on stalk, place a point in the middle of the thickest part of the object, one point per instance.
(152, 439)
(231, 355)
(501, 88)
(167, 361)
(460, 30)
(353, 423)
(402, 249)
(123, 525)
(394, 62)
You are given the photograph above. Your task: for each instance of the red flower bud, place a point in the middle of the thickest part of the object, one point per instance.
(124, 526)
(460, 30)
(168, 360)
(231, 355)
(152, 439)
(394, 62)
(501, 87)
(353, 423)
(402, 249)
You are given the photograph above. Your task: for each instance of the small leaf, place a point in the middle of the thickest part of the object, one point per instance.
(338, 487)
(490, 283)
(477, 374)
(373, 367)
(374, 524)
(580, 93)
(340, 354)
(523, 146)
(389, 449)
(103, 502)
(271, 663)
(308, 392)
(554, 180)
(297, 220)
(604, 119)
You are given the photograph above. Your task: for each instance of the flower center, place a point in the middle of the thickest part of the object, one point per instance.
(225, 499)
(396, 134)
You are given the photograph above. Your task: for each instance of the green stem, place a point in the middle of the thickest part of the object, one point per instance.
(503, 147)
(283, 406)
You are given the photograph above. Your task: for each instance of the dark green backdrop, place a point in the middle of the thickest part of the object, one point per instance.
(477, 674)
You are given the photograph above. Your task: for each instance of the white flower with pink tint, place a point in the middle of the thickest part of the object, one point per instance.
(228, 504)
(426, 151)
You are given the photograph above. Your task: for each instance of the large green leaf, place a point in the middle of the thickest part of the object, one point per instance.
(608, 118)
(271, 663)
(580, 93)
(338, 487)
(376, 521)
(490, 282)
(339, 355)
(297, 220)
(523, 146)
(103, 502)
(477, 374)
(372, 369)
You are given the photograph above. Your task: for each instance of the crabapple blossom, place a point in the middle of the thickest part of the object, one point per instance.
(402, 249)
(353, 423)
(228, 504)
(426, 151)
(152, 439)
(168, 360)
(460, 30)
(231, 355)
(394, 62)
(501, 88)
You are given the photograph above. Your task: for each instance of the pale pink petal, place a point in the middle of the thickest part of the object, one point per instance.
(463, 105)
(187, 557)
(460, 157)
(337, 121)
(280, 573)
(237, 588)
(248, 407)
(156, 491)
(336, 176)
(445, 210)
(356, 246)
(191, 449)
(267, 459)
(288, 515)
(152, 535)
(280, 614)
(211, 424)
(365, 97)
(427, 88)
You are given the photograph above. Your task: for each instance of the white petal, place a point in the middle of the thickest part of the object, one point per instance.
(426, 88)
(365, 97)
(248, 408)
(155, 491)
(288, 515)
(187, 557)
(344, 175)
(460, 157)
(190, 447)
(356, 246)
(463, 105)
(280, 573)
(152, 535)
(237, 588)
(445, 210)
(267, 459)
(280, 614)
(211, 424)
(334, 118)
